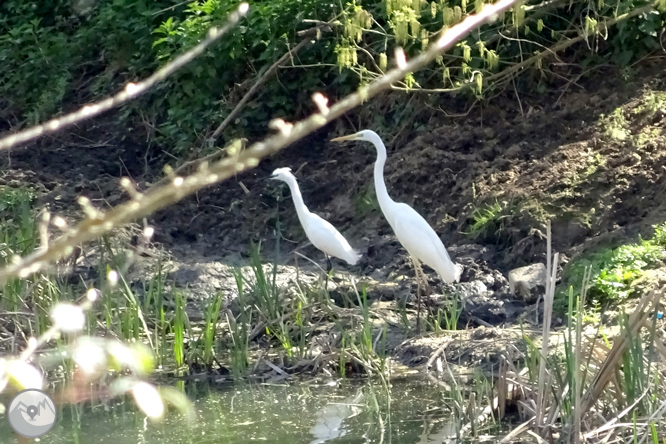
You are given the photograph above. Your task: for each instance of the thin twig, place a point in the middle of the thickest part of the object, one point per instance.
(235, 146)
(131, 90)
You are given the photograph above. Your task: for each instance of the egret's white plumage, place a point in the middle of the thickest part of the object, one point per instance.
(320, 232)
(411, 229)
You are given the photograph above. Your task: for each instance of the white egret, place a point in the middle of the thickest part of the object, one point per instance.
(411, 229)
(320, 232)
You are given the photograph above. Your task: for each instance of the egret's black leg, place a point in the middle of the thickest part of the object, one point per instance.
(417, 275)
(329, 267)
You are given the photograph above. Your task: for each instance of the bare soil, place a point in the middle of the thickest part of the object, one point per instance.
(553, 156)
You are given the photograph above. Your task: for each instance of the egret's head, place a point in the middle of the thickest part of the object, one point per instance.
(367, 135)
(281, 174)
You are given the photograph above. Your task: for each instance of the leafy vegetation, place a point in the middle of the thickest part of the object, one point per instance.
(84, 52)
(478, 62)
(365, 201)
(615, 271)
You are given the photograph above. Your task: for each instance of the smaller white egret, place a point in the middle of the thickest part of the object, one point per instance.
(411, 229)
(320, 232)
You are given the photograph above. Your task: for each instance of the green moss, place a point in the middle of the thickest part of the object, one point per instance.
(615, 125)
(652, 102)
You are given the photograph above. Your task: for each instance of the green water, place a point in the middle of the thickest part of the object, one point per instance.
(344, 412)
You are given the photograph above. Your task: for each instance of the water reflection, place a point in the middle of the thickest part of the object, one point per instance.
(345, 412)
(328, 424)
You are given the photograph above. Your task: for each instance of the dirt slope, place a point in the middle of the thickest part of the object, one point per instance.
(558, 158)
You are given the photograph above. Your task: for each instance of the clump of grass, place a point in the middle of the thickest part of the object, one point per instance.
(614, 271)
(264, 289)
(446, 317)
(491, 223)
(365, 201)
(268, 302)
(179, 329)
(452, 315)
(239, 331)
(18, 226)
(487, 221)
(358, 345)
(210, 329)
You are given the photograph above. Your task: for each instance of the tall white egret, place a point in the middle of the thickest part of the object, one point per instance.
(320, 232)
(411, 229)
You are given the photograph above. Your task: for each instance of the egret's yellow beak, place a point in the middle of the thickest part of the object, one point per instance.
(343, 138)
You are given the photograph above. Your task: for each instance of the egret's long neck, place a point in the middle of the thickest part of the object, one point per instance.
(301, 209)
(380, 186)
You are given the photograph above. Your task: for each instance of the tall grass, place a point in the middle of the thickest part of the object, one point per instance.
(179, 328)
(18, 237)
(265, 291)
(619, 382)
(574, 383)
(210, 329)
(239, 330)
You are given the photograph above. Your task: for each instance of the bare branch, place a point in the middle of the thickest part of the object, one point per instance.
(131, 91)
(97, 223)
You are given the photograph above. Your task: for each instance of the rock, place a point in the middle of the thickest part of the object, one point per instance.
(484, 307)
(472, 289)
(528, 282)
(471, 251)
(459, 271)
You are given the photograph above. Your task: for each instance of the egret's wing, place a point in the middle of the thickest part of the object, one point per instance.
(420, 240)
(324, 236)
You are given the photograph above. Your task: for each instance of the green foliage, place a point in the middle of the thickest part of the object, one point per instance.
(414, 24)
(652, 102)
(239, 330)
(615, 125)
(198, 98)
(264, 289)
(210, 328)
(614, 270)
(179, 329)
(636, 37)
(48, 52)
(487, 221)
(60, 54)
(18, 237)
